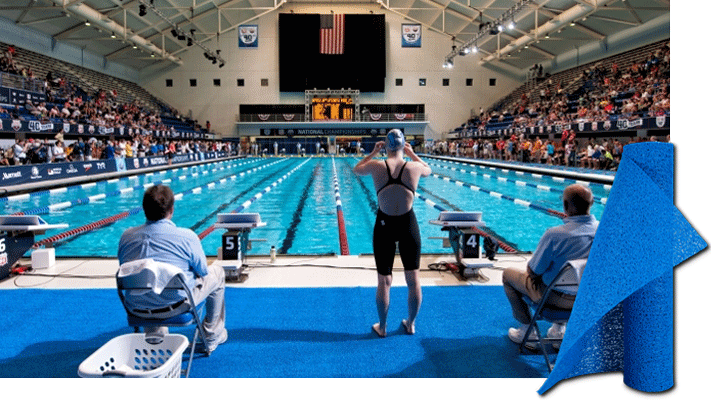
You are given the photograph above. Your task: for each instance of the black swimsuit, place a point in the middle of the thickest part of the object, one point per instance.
(390, 230)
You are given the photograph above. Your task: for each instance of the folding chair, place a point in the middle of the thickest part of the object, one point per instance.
(149, 278)
(567, 282)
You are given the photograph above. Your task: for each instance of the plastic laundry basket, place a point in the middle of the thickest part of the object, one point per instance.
(130, 356)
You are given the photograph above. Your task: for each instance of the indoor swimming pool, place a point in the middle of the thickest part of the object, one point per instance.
(295, 197)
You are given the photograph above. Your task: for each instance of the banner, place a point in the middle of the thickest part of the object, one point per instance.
(411, 35)
(248, 36)
(34, 126)
(23, 174)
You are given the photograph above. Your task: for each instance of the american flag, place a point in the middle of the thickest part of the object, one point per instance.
(331, 33)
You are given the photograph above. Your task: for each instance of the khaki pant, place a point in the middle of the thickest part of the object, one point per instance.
(519, 283)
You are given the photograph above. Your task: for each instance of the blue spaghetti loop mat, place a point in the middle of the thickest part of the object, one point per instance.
(283, 332)
(623, 315)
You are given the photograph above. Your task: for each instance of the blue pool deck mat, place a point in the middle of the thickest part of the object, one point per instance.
(623, 318)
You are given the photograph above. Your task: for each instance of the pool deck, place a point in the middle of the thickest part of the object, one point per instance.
(287, 271)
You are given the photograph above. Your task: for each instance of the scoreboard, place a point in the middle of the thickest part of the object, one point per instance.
(332, 108)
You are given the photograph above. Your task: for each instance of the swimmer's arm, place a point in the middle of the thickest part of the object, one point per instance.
(425, 170)
(365, 166)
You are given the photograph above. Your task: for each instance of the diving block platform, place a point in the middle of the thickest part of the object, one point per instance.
(17, 235)
(464, 239)
(236, 242)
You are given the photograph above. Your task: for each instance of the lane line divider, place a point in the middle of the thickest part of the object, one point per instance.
(436, 206)
(106, 221)
(518, 183)
(557, 179)
(86, 200)
(254, 198)
(522, 202)
(342, 235)
(39, 193)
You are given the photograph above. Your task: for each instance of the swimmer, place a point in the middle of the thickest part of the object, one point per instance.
(395, 223)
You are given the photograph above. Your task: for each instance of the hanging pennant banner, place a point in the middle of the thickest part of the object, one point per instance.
(248, 36)
(411, 35)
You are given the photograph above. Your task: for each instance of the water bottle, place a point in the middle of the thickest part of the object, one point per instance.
(272, 254)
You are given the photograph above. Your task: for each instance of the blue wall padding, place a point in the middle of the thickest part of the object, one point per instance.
(623, 314)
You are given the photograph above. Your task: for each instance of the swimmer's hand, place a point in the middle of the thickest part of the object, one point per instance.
(378, 146)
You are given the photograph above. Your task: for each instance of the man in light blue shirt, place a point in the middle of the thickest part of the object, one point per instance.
(559, 244)
(161, 240)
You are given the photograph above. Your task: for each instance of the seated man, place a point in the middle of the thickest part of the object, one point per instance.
(559, 244)
(162, 241)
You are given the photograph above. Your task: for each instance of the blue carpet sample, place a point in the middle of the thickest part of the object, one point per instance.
(284, 333)
(623, 314)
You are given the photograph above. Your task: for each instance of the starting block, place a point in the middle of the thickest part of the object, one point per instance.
(235, 242)
(17, 235)
(464, 239)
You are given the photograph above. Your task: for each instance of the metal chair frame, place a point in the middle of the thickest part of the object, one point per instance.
(133, 282)
(547, 313)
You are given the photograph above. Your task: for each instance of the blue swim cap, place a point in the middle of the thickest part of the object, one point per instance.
(395, 140)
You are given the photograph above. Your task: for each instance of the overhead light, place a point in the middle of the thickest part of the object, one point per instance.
(174, 32)
(113, 35)
(511, 25)
(222, 64)
(500, 28)
(153, 55)
(142, 10)
(87, 23)
(572, 23)
(135, 47)
(190, 41)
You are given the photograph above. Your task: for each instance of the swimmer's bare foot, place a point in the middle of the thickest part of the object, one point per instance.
(409, 329)
(376, 329)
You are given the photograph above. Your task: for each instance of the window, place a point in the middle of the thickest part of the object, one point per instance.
(168, 83)
(265, 82)
(193, 82)
(470, 82)
(240, 82)
(492, 81)
(445, 82)
(216, 82)
(398, 82)
(423, 82)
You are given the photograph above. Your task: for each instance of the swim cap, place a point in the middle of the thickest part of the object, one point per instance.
(395, 140)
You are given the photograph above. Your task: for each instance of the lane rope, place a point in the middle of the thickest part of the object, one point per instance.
(110, 220)
(254, 198)
(538, 176)
(342, 235)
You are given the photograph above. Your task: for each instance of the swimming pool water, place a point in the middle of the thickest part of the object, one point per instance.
(300, 210)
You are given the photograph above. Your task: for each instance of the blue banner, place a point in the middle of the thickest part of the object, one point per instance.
(23, 174)
(248, 36)
(34, 126)
(411, 35)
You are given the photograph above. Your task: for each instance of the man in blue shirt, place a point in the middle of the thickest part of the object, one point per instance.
(559, 244)
(161, 240)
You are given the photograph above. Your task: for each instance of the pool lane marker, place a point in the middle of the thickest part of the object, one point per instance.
(110, 220)
(501, 244)
(89, 199)
(342, 236)
(535, 175)
(254, 198)
(522, 202)
(25, 196)
(518, 183)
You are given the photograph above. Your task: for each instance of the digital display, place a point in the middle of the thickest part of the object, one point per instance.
(330, 108)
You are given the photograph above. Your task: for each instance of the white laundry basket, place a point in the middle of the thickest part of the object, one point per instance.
(130, 356)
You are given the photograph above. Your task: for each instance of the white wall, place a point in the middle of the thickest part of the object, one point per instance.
(446, 107)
